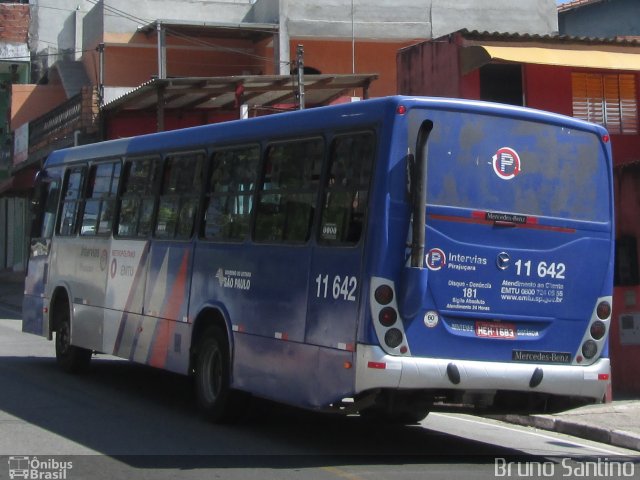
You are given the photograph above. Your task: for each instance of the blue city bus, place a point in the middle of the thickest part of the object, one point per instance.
(389, 257)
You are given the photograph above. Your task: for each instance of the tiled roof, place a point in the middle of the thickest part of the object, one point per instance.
(555, 39)
(576, 4)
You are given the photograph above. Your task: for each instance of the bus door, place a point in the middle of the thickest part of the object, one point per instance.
(43, 209)
(84, 235)
(170, 262)
(335, 276)
(518, 238)
(128, 256)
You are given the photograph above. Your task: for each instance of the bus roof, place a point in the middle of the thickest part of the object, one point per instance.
(300, 122)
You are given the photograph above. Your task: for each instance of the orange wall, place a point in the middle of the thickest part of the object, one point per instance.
(134, 63)
(29, 102)
(334, 57)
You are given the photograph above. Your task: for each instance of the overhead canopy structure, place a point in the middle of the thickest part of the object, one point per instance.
(19, 183)
(475, 56)
(246, 30)
(226, 93)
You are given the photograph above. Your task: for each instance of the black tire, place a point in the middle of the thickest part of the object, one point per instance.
(71, 359)
(394, 417)
(216, 400)
(397, 408)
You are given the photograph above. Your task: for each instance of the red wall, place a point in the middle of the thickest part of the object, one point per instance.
(429, 69)
(548, 88)
(128, 124)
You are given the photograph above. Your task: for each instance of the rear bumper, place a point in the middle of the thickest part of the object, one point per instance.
(375, 369)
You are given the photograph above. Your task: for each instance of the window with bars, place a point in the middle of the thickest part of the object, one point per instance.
(607, 99)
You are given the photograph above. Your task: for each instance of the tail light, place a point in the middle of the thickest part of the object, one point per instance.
(604, 310)
(393, 338)
(387, 316)
(383, 294)
(384, 311)
(594, 338)
(598, 330)
(589, 349)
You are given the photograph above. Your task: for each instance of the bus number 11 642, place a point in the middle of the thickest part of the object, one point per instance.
(342, 288)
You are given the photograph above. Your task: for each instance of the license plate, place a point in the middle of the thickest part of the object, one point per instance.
(506, 331)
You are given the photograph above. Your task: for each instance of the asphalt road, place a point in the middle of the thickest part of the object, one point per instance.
(122, 420)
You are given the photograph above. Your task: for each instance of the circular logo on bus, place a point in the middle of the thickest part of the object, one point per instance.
(436, 259)
(506, 163)
(431, 319)
(103, 259)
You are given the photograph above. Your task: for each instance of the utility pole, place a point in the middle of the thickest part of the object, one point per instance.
(101, 75)
(300, 65)
(162, 51)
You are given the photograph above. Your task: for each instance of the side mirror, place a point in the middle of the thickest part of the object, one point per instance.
(40, 190)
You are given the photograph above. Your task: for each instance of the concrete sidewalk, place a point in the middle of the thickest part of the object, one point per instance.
(616, 423)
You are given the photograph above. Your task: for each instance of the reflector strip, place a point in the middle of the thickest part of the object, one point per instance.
(237, 328)
(346, 346)
(282, 336)
(377, 365)
(477, 219)
(603, 376)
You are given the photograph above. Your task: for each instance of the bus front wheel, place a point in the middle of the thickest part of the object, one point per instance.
(72, 359)
(216, 400)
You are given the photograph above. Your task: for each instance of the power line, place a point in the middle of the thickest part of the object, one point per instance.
(41, 55)
(189, 38)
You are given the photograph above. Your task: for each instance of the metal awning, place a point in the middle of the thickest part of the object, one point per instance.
(19, 183)
(227, 92)
(475, 56)
(244, 30)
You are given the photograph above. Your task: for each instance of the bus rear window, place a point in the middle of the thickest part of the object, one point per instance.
(503, 164)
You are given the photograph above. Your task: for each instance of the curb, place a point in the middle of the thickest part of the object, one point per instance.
(618, 438)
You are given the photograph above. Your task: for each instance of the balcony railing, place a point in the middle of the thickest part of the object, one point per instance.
(56, 128)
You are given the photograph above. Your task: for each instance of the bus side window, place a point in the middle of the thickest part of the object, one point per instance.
(71, 195)
(286, 202)
(182, 183)
(97, 217)
(137, 202)
(230, 194)
(346, 192)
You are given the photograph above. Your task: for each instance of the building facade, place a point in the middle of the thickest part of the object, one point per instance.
(599, 18)
(100, 70)
(14, 70)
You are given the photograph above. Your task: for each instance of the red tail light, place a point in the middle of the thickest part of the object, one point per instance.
(598, 330)
(388, 316)
(604, 310)
(384, 294)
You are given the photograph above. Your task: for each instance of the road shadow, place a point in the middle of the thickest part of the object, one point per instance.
(144, 416)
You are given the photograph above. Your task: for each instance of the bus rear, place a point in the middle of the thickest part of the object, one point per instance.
(504, 298)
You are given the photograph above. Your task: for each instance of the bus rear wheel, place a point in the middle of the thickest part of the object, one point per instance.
(72, 359)
(396, 408)
(216, 400)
